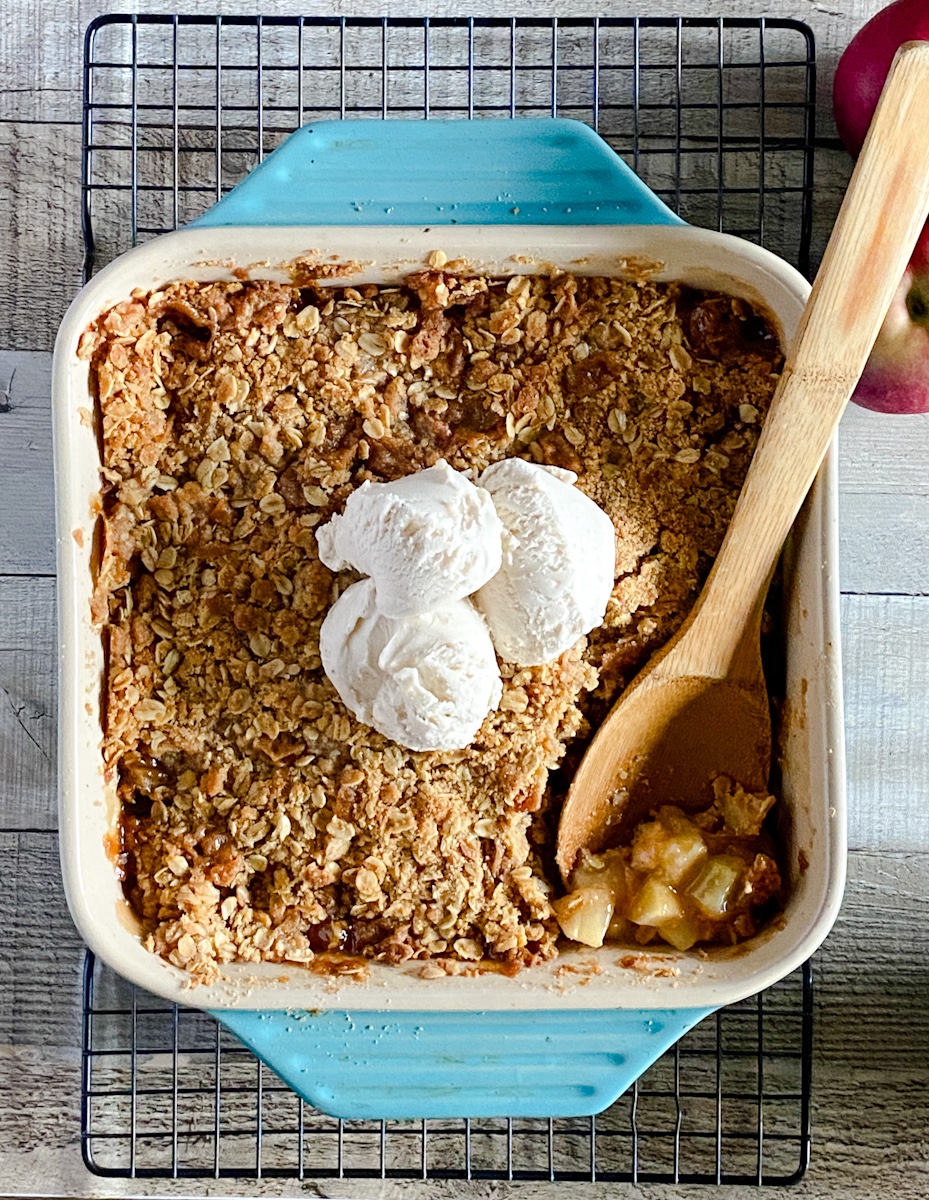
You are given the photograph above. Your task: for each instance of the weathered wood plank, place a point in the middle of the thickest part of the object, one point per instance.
(883, 454)
(40, 51)
(40, 140)
(39, 207)
(28, 696)
(882, 543)
(884, 506)
(39, 1002)
(27, 518)
(886, 671)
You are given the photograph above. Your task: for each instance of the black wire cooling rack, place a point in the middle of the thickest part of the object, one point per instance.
(717, 117)
(168, 1093)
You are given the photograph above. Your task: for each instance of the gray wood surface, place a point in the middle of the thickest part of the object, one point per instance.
(872, 1040)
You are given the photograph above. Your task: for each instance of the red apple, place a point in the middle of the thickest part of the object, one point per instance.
(896, 378)
(863, 67)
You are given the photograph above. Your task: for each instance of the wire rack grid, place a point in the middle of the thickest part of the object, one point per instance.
(168, 1093)
(717, 117)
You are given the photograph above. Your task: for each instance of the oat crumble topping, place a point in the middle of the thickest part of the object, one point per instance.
(261, 821)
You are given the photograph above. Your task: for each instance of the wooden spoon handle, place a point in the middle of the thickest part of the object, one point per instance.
(884, 210)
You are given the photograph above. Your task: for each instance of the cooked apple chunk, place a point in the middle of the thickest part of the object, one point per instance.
(684, 879)
(655, 904)
(714, 886)
(585, 914)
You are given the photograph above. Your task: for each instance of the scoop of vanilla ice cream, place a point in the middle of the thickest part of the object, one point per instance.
(558, 562)
(426, 680)
(426, 539)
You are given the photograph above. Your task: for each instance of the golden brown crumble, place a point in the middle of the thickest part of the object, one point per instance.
(261, 821)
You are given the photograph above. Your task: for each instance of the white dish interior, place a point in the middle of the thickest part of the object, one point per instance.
(811, 745)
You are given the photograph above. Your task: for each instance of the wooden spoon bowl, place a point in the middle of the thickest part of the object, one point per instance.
(675, 736)
(700, 709)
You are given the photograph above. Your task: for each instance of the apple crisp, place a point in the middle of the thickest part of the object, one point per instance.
(260, 820)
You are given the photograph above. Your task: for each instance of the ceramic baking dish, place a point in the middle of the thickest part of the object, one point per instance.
(623, 995)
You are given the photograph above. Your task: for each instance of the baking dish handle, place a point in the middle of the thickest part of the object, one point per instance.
(537, 171)
(412, 1066)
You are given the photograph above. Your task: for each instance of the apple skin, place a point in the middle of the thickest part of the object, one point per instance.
(896, 378)
(864, 65)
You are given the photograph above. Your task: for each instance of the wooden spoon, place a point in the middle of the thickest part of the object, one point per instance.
(700, 708)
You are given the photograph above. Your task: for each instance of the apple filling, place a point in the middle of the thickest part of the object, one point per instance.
(707, 877)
